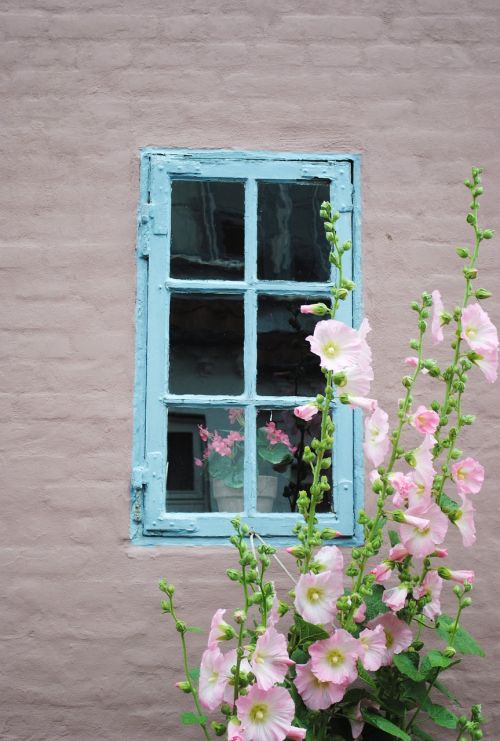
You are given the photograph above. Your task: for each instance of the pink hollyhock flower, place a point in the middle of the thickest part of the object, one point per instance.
(412, 362)
(376, 444)
(459, 576)
(329, 558)
(366, 353)
(468, 475)
(296, 734)
(432, 585)
(398, 635)
(421, 541)
(334, 659)
(265, 715)
(440, 553)
(464, 520)
(316, 309)
(373, 650)
(219, 629)
(355, 716)
(336, 344)
(358, 380)
(404, 485)
(423, 458)
(395, 598)
(478, 330)
(212, 678)
(437, 310)
(316, 597)
(360, 613)
(382, 572)
(398, 553)
(487, 362)
(306, 411)
(270, 659)
(317, 695)
(307, 309)
(234, 731)
(425, 420)
(361, 402)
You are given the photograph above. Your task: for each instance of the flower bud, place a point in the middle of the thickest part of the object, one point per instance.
(488, 233)
(470, 273)
(218, 728)
(233, 574)
(407, 381)
(180, 626)
(462, 252)
(165, 606)
(329, 534)
(482, 293)
(239, 616)
(466, 602)
(342, 293)
(471, 219)
(316, 309)
(297, 551)
(340, 378)
(184, 687)
(449, 652)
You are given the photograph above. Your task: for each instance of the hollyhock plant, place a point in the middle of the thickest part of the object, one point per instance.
(353, 660)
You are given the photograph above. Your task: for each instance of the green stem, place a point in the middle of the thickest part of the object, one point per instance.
(239, 649)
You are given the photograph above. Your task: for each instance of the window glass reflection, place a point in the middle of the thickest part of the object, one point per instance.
(281, 438)
(291, 236)
(206, 344)
(285, 364)
(207, 229)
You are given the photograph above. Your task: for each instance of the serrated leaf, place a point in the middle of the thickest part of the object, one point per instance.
(194, 629)
(393, 538)
(463, 641)
(308, 633)
(191, 719)
(194, 673)
(446, 692)
(384, 725)
(374, 604)
(407, 667)
(440, 715)
(434, 660)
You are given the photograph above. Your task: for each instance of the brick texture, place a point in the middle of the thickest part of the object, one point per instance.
(412, 85)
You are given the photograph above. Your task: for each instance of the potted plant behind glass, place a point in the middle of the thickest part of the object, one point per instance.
(224, 458)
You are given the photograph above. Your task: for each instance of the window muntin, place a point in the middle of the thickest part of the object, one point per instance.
(188, 375)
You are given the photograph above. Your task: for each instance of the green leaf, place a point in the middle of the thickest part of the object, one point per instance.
(449, 504)
(307, 632)
(440, 715)
(463, 641)
(194, 673)
(446, 692)
(420, 733)
(194, 629)
(366, 676)
(385, 725)
(433, 660)
(273, 453)
(393, 538)
(191, 719)
(374, 604)
(407, 667)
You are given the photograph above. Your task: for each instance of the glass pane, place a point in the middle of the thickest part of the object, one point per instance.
(285, 364)
(206, 344)
(205, 453)
(281, 438)
(291, 236)
(207, 229)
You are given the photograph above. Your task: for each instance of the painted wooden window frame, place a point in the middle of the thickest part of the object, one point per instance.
(151, 524)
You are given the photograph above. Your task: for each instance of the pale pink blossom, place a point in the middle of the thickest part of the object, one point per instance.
(431, 585)
(219, 629)
(423, 458)
(478, 330)
(296, 734)
(330, 558)
(212, 678)
(307, 309)
(437, 310)
(398, 635)
(376, 444)
(372, 646)
(395, 598)
(334, 659)
(358, 380)
(398, 553)
(306, 411)
(265, 715)
(317, 695)
(468, 474)
(413, 520)
(440, 553)
(336, 344)
(460, 576)
(463, 518)
(421, 541)
(425, 420)
(234, 731)
(487, 362)
(316, 597)
(412, 361)
(404, 486)
(270, 661)
(382, 572)
(355, 716)
(359, 613)
(362, 402)
(366, 353)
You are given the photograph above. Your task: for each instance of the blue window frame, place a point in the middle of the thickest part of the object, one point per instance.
(234, 284)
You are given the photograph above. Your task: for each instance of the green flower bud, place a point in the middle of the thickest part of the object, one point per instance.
(449, 652)
(239, 616)
(218, 728)
(488, 233)
(466, 602)
(482, 293)
(470, 273)
(184, 687)
(407, 381)
(342, 293)
(233, 574)
(340, 378)
(165, 606)
(283, 608)
(180, 626)
(347, 246)
(462, 252)
(415, 306)
(329, 534)
(471, 219)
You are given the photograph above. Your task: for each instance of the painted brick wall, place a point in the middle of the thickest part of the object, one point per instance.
(411, 84)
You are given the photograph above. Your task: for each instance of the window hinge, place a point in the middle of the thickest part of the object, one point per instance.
(344, 188)
(144, 225)
(140, 477)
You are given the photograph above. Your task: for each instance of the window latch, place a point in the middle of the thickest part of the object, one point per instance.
(138, 482)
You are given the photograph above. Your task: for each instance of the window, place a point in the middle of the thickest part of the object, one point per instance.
(229, 246)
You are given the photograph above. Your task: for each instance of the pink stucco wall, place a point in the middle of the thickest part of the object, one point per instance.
(411, 84)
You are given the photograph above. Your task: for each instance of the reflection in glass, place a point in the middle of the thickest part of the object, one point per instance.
(285, 364)
(205, 452)
(291, 236)
(206, 344)
(207, 229)
(281, 438)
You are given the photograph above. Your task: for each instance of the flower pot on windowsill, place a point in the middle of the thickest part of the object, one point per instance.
(230, 498)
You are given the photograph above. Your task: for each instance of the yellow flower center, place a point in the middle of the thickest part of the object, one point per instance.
(213, 678)
(314, 594)
(259, 713)
(423, 530)
(330, 349)
(335, 657)
(460, 474)
(471, 332)
(389, 638)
